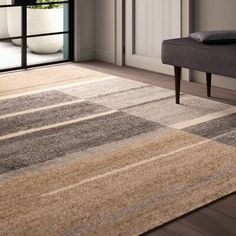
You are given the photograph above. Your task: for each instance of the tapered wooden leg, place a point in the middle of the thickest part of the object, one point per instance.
(177, 83)
(208, 80)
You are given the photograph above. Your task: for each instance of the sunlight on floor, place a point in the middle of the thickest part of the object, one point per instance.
(10, 56)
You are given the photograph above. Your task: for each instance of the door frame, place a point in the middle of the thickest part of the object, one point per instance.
(186, 28)
(24, 35)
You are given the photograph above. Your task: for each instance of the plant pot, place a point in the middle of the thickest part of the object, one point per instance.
(3, 20)
(42, 21)
(14, 23)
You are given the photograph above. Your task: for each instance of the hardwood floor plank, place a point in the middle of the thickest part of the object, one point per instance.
(176, 229)
(226, 206)
(216, 219)
(161, 232)
(211, 223)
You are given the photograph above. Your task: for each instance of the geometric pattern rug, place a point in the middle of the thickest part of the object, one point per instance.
(110, 156)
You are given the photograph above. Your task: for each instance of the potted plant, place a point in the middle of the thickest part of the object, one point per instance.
(42, 19)
(14, 19)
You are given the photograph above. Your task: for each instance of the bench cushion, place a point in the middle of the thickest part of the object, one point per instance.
(188, 53)
(215, 37)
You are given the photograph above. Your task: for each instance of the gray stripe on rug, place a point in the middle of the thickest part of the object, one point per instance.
(47, 117)
(33, 101)
(215, 127)
(46, 145)
(229, 139)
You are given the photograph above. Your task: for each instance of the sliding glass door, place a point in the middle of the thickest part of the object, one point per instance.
(35, 32)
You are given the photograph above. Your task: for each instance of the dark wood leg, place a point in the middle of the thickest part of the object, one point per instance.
(208, 78)
(177, 83)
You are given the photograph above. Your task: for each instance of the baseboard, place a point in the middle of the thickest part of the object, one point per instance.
(217, 81)
(98, 54)
(86, 55)
(104, 55)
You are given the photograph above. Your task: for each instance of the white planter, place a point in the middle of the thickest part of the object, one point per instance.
(3, 20)
(14, 23)
(42, 21)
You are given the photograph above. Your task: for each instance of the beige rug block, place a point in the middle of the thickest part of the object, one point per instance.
(33, 79)
(120, 199)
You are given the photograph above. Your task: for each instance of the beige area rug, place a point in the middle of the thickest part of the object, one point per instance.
(110, 156)
(44, 77)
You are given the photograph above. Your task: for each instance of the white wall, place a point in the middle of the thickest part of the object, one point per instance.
(105, 30)
(95, 30)
(215, 15)
(84, 30)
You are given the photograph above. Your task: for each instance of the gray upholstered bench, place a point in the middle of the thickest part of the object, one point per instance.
(217, 59)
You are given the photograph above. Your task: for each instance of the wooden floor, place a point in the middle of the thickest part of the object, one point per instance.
(216, 219)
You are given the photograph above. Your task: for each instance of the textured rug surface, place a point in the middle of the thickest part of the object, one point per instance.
(110, 156)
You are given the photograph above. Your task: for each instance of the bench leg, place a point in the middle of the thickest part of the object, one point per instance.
(208, 80)
(177, 83)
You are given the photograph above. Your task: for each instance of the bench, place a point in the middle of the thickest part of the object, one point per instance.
(187, 53)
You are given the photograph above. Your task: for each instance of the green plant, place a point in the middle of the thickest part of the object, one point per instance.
(45, 6)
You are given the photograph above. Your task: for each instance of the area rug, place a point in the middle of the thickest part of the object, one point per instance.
(110, 156)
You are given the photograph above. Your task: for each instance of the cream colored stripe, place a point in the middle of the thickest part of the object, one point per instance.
(20, 133)
(58, 87)
(202, 119)
(41, 109)
(128, 167)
